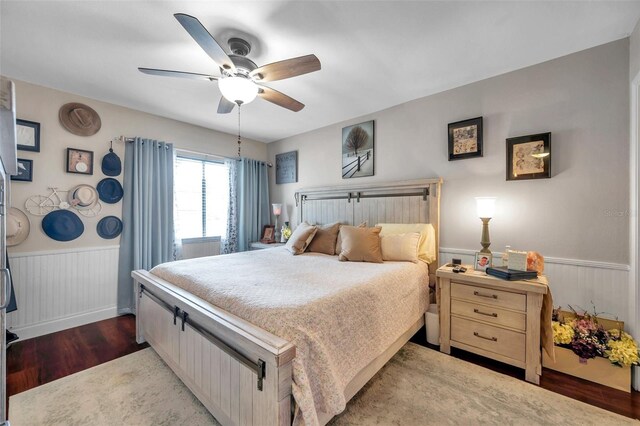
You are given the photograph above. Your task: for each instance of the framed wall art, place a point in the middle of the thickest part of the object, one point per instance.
(465, 139)
(25, 171)
(358, 150)
(28, 135)
(287, 167)
(529, 157)
(79, 161)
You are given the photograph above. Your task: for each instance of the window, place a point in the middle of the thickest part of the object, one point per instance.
(201, 196)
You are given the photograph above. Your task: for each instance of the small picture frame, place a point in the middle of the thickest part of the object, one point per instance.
(287, 167)
(268, 234)
(79, 161)
(28, 135)
(529, 157)
(25, 171)
(465, 139)
(482, 261)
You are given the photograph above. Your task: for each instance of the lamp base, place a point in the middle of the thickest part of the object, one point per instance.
(276, 233)
(485, 242)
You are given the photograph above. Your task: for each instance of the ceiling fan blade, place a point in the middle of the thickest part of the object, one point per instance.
(287, 68)
(206, 41)
(278, 98)
(225, 106)
(181, 74)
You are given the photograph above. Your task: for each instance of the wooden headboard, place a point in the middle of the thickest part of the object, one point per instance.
(415, 201)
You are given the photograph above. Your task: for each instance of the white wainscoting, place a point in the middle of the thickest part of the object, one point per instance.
(59, 289)
(575, 282)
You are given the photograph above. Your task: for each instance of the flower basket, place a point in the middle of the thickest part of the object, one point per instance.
(599, 369)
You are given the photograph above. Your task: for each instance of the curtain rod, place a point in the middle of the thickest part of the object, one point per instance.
(129, 139)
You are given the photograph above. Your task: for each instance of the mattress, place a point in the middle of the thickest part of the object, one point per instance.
(339, 315)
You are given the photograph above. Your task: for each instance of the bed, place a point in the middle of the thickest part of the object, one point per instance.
(252, 333)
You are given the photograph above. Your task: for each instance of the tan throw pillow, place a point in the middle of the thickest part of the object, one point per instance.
(325, 239)
(360, 244)
(339, 239)
(301, 238)
(402, 247)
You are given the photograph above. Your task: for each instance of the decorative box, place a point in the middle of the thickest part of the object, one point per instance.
(517, 260)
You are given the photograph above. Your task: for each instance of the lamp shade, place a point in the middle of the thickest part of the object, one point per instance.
(238, 89)
(486, 206)
(277, 209)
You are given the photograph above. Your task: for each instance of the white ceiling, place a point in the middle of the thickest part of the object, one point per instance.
(374, 54)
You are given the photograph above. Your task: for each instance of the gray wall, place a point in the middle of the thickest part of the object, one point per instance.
(634, 52)
(580, 213)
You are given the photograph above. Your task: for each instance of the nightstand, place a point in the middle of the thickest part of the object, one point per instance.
(495, 318)
(257, 245)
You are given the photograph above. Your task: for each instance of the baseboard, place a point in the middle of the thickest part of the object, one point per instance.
(59, 324)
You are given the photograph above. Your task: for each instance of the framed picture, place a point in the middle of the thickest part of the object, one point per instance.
(483, 261)
(268, 234)
(79, 161)
(28, 135)
(357, 150)
(287, 167)
(465, 139)
(529, 157)
(25, 171)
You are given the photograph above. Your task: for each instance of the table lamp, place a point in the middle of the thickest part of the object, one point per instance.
(486, 207)
(277, 211)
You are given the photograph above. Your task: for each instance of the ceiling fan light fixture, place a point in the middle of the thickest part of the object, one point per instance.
(240, 90)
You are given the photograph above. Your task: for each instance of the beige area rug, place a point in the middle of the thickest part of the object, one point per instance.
(138, 389)
(418, 386)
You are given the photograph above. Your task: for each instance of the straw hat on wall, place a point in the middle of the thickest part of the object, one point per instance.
(79, 119)
(18, 227)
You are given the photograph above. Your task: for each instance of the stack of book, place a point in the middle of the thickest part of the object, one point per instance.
(511, 274)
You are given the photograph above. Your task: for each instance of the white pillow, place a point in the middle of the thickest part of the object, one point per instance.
(427, 247)
(402, 247)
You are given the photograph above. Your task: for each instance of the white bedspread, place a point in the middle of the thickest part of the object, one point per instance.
(340, 315)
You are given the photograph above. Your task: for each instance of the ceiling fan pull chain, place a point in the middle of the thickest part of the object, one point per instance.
(239, 140)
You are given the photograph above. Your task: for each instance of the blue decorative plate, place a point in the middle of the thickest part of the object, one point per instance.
(62, 225)
(110, 190)
(109, 227)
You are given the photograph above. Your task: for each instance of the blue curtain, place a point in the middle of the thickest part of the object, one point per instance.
(147, 213)
(249, 203)
(229, 243)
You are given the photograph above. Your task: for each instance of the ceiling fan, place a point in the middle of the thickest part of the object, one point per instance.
(240, 79)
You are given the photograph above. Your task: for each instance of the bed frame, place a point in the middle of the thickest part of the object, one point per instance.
(240, 372)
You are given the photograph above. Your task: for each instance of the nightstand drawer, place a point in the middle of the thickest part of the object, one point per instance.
(488, 296)
(493, 315)
(494, 339)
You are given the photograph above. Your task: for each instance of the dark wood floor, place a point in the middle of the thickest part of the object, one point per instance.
(34, 362)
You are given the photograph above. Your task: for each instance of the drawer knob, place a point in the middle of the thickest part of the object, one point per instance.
(488, 296)
(493, 339)
(492, 314)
